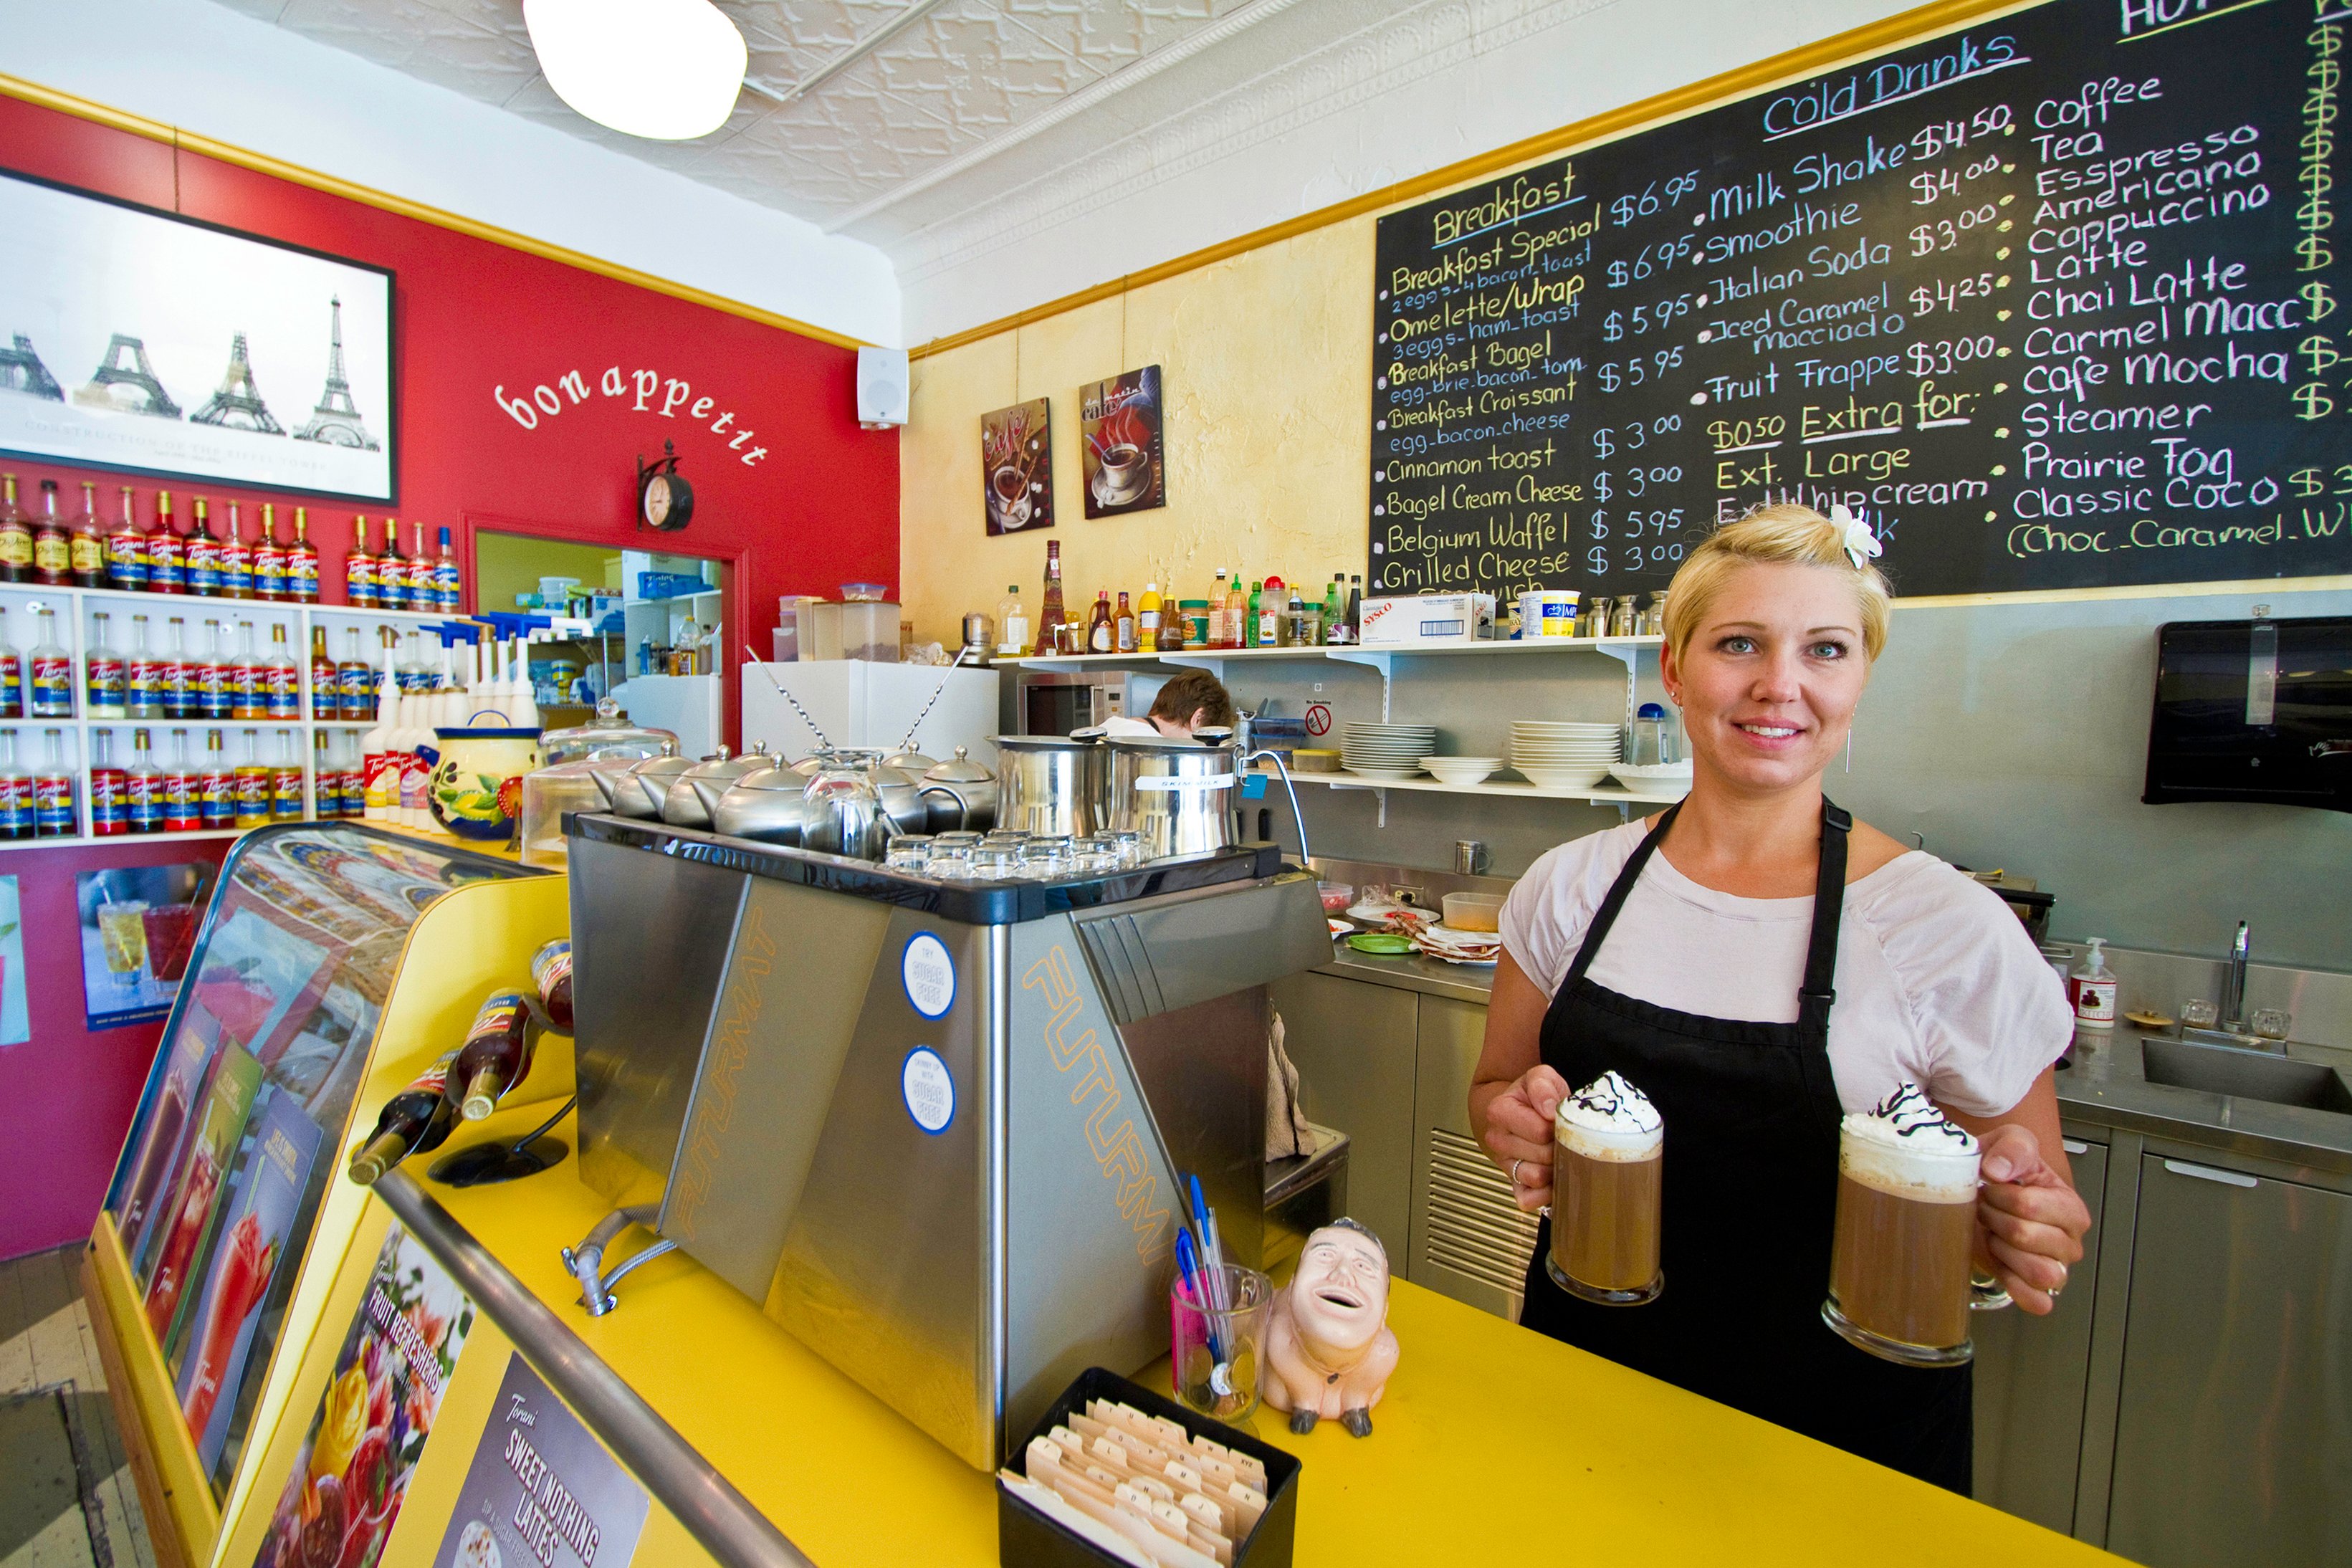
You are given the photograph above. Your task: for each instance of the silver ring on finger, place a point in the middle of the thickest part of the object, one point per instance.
(1514, 1171)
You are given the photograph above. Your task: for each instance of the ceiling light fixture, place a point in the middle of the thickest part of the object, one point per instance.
(668, 71)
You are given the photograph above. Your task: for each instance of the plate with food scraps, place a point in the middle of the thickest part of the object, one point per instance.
(1381, 943)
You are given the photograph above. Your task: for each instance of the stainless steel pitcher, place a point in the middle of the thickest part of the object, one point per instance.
(1052, 785)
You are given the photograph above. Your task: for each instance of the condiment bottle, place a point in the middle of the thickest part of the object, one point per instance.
(110, 789)
(1237, 613)
(15, 795)
(167, 553)
(1216, 638)
(12, 673)
(1123, 626)
(1271, 605)
(286, 782)
(281, 682)
(354, 681)
(202, 555)
(496, 1057)
(416, 1120)
(268, 558)
(358, 568)
(104, 674)
(422, 594)
(49, 672)
(248, 687)
(2092, 989)
(214, 677)
(217, 784)
(15, 535)
(447, 584)
(52, 552)
(302, 562)
(236, 559)
(252, 784)
(142, 789)
(126, 550)
(1100, 635)
(184, 798)
(86, 549)
(179, 674)
(326, 690)
(392, 571)
(53, 790)
(1146, 619)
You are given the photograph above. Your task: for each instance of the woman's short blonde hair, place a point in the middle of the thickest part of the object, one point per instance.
(1781, 535)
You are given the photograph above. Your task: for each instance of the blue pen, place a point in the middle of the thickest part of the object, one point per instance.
(1212, 1254)
(1187, 1263)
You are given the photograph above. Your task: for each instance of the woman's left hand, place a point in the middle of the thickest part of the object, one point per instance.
(2031, 1220)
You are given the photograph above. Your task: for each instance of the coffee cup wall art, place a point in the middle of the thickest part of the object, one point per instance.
(1118, 429)
(1016, 468)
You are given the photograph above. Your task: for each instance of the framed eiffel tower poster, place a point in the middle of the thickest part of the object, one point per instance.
(141, 341)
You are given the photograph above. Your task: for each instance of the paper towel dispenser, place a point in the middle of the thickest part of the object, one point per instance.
(2258, 709)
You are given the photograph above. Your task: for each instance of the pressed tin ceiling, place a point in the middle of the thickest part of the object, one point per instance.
(849, 106)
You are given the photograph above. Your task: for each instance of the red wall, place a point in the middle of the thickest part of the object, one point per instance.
(819, 509)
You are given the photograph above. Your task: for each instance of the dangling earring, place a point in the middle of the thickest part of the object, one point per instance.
(1849, 747)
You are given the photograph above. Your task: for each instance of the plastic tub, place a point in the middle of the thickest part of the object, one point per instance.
(1474, 912)
(865, 593)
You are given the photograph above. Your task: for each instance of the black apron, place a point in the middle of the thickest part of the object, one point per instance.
(1750, 1193)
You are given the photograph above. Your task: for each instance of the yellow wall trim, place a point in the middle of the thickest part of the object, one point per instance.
(1854, 44)
(278, 168)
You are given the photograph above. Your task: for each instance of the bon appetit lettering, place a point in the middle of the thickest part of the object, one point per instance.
(675, 393)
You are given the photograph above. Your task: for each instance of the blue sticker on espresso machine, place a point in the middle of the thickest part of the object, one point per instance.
(929, 1089)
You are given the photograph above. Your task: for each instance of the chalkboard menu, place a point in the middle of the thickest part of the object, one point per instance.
(2053, 301)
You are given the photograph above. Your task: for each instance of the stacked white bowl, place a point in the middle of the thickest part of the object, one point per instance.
(1565, 755)
(1461, 770)
(1386, 750)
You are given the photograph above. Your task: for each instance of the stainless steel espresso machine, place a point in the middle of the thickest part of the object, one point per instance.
(938, 1128)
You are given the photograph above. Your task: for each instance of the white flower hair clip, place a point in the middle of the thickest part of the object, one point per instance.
(1861, 545)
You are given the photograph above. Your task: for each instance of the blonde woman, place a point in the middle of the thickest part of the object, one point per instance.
(1674, 951)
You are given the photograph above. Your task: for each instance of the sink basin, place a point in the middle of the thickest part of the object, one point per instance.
(2250, 1074)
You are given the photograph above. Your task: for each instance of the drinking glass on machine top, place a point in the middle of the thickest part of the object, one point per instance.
(1901, 1259)
(1608, 1142)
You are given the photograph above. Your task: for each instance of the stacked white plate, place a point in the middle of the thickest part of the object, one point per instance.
(1554, 755)
(1386, 750)
(1470, 947)
(1460, 769)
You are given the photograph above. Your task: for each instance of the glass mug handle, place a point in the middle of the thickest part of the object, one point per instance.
(1987, 1294)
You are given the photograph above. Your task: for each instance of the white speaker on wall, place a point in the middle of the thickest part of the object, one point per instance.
(881, 388)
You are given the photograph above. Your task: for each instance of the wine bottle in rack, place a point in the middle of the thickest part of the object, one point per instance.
(104, 678)
(12, 673)
(359, 569)
(286, 781)
(179, 671)
(54, 816)
(49, 672)
(86, 543)
(126, 550)
(167, 553)
(15, 535)
(217, 784)
(15, 795)
(110, 789)
(268, 559)
(143, 675)
(203, 554)
(416, 1120)
(183, 795)
(302, 562)
(236, 559)
(52, 553)
(142, 788)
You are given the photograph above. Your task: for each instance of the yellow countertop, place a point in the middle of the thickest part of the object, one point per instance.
(1492, 1442)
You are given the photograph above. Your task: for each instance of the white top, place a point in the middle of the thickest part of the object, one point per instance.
(1120, 724)
(1936, 981)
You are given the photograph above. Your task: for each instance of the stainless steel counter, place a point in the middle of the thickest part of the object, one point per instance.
(2104, 1087)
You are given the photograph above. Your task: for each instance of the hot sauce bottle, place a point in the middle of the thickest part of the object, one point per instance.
(268, 558)
(302, 562)
(167, 553)
(126, 550)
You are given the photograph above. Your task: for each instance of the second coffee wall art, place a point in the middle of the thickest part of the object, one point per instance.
(1118, 428)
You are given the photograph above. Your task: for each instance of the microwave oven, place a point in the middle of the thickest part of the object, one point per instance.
(1059, 701)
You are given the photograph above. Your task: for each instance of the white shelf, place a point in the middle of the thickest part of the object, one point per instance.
(183, 603)
(1350, 654)
(1609, 795)
(82, 839)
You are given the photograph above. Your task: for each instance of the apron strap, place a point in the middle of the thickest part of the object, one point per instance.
(1606, 915)
(1816, 995)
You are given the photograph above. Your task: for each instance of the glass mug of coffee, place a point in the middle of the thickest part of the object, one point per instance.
(1606, 1174)
(1901, 1262)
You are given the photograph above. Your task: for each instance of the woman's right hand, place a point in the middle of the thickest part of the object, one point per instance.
(1519, 1134)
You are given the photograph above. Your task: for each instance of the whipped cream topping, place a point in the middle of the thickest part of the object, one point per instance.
(1609, 1119)
(1906, 1146)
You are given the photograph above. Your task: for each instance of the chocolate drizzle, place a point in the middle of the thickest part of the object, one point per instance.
(1912, 1114)
(1617, 1104)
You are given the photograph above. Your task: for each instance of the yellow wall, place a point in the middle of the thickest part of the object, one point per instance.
(506, 564)
(1266, 360)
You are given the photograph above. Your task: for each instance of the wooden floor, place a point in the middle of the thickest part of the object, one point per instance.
(66, 1499)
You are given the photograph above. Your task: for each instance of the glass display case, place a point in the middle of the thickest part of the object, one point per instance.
(249, 1099)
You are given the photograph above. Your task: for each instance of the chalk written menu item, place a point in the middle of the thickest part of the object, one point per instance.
(541, 1491)
(2050, 301)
